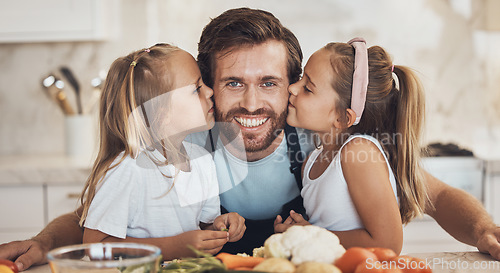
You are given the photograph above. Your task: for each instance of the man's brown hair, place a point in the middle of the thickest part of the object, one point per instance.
(245, 26)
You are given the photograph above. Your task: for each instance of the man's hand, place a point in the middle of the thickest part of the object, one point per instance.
(292, 220)
(233, 222)
(489, 242)
(24, 253)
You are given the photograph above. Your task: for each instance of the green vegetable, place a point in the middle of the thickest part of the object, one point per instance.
(204, 263)
(152, 267)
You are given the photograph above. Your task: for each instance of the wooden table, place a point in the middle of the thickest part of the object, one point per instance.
(441, 262)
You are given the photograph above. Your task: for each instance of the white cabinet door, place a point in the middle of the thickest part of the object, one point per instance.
(62, 199)
(425, 235)
(493, 182)
(56, 20)
(21, 212)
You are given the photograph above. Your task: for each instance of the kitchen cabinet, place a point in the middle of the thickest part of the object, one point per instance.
(493, 191)
(27, 209)
(425, 234)
(22, 211)
(57, 20)
(36, 189)
(62, 199)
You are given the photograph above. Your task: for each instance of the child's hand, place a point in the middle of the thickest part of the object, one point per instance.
(208, 241)
(293, 219)
(233, 223)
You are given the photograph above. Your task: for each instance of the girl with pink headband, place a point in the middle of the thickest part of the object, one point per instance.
(364, 180)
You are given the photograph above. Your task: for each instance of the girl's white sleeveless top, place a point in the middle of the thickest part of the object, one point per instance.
(327, 200)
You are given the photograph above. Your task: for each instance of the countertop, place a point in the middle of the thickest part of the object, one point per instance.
(444, 262)
(463, 262)
(43, 169)
(60, 169)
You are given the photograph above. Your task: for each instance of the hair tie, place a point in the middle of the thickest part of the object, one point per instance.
(133, 63)
(147, 50)
(360, 77)
(395, 78)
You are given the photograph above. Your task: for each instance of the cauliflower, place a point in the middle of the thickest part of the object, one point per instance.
(304, 244)
(273, 247)
(258, 252)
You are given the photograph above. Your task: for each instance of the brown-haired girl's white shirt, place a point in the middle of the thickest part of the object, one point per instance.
(327, 200)
(134, 198)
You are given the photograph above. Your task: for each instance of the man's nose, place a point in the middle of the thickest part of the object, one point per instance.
(251, 99)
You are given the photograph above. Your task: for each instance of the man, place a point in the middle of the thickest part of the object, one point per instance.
(251, 69)
(249, 59)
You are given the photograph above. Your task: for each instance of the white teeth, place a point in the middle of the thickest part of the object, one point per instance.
(250, 122)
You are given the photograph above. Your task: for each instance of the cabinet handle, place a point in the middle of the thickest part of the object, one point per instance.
(73, 195)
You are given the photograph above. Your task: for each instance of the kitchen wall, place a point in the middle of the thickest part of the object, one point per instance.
(445, 41)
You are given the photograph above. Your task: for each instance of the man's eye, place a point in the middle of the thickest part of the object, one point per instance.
(307, 89)
(234, 84)
(269, 84)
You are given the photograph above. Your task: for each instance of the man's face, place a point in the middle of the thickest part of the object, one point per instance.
(251, 92)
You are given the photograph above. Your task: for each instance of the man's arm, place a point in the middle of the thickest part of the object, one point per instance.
(462, 216)
(62, 231)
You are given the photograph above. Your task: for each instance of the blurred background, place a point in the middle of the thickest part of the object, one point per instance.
(453, 44)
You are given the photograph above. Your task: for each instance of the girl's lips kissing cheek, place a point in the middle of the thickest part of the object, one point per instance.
(251, 122)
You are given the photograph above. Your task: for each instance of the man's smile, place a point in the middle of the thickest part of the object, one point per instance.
(251, 122)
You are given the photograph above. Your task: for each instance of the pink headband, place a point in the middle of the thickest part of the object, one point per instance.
(360, 77)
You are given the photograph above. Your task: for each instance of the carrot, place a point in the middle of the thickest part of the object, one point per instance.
(235, 261)
(243, 268)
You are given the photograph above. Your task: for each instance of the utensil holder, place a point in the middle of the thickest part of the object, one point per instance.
(80, 136)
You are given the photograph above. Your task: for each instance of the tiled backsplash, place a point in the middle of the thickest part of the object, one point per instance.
(459, 64)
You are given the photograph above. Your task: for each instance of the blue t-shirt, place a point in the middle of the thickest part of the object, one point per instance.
(256, 190)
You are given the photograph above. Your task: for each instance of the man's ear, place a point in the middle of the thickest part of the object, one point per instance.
(350, 118)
